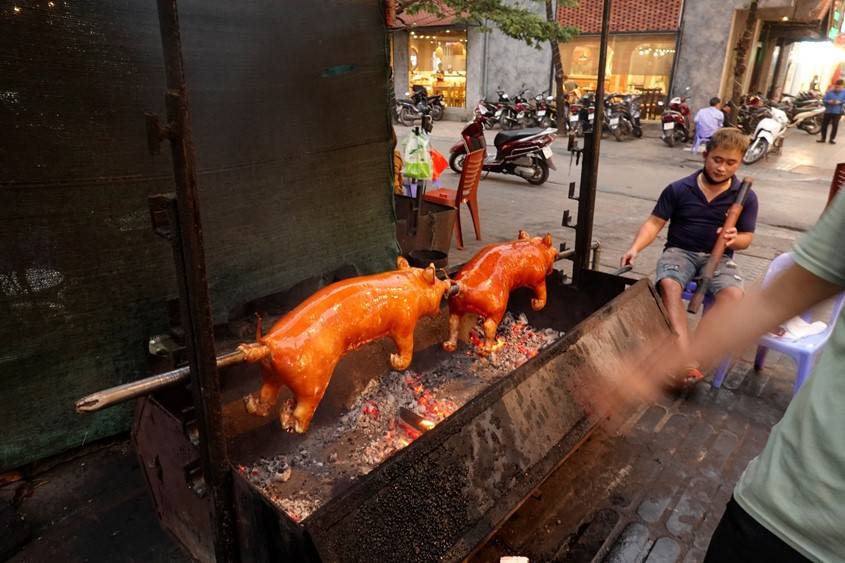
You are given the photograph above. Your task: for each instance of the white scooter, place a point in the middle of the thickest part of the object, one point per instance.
(769, 135)
(809, 120)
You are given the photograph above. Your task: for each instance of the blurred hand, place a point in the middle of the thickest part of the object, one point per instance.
(729, 235)
(628, 258)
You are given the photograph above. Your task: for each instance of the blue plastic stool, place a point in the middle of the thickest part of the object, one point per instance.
(709, 300)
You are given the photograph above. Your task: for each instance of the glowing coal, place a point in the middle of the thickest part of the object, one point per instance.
(391, 412)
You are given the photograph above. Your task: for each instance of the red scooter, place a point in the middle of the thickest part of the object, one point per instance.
(523, 152)
(676, 121)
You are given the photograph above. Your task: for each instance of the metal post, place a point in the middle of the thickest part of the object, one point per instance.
(193, 289)
(590, 170)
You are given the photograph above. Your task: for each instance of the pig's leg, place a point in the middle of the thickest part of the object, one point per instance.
(454, 326)
(260, 403)
(404, 339)
(539, 300)
(296, 415)
(490, 325)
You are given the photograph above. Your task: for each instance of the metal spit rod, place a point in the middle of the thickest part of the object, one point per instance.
(114, 395)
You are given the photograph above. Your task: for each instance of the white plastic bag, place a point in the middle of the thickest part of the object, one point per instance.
(417, 160)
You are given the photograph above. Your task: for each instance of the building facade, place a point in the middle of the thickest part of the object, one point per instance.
(641, 49)
(656, 47)
(790, 46)
(464, 63)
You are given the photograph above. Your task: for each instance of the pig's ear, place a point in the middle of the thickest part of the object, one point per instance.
(523, 235)
(547, 240)
(430, 274)
(402, 264)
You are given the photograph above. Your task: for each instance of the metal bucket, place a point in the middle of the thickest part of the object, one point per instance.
(422, 258)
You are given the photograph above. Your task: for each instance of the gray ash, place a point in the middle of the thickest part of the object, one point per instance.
(330, 458)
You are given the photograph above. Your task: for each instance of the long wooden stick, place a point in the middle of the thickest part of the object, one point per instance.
(719, 248)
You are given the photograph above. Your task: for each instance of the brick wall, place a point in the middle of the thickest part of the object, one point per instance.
(625, 15)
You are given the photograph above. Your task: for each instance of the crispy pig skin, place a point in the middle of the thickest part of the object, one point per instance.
(303, 347)
(487, 280)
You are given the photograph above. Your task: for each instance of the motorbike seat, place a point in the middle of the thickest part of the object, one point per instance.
(508, 136)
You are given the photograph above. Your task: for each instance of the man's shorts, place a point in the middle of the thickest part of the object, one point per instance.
(683, 266)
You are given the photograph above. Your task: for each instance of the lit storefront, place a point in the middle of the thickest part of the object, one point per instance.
(635, 63)
(437, 59)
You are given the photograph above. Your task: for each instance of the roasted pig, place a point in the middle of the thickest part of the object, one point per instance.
(303, 347)
(486, 281)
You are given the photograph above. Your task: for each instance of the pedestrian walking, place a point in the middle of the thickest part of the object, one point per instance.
(833, 101)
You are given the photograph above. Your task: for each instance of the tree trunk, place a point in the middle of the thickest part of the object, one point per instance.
(741, 59)
(557, 64)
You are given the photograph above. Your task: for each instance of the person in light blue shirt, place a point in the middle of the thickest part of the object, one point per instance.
(833, 101)
(708, 121)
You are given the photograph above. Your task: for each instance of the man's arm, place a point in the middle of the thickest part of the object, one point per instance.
(740, 325)
(646, 235)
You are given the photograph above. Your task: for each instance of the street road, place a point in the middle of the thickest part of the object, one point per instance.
(792, 188)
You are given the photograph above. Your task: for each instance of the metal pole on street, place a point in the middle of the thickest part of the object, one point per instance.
(193, 289)
(590, 167)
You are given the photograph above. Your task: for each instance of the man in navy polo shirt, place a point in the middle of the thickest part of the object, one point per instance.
(695, 208)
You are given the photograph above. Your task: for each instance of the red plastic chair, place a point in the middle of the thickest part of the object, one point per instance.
(467, 192)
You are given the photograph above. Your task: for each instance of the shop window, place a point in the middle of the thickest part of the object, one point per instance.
(634, 63)
(439, 62)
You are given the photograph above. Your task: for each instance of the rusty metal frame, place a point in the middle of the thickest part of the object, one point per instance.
(177, 218)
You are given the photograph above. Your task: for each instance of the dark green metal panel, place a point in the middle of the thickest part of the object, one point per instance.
(289, 109)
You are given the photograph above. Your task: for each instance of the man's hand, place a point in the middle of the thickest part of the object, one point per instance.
(628, 258)
(729, 235)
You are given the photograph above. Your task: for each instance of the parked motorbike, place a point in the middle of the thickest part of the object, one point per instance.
(752, 109)
(525, 153)
(623, 116)
(676, 121)
(493, 111)
(544, 113)
(632, 104)
(768, 136)
(574, 120)
(435, 103)
(584, 112)
(516, 115)
(804, 110)
(413, 108)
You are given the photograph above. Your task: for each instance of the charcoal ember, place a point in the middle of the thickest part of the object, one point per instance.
(370, 429)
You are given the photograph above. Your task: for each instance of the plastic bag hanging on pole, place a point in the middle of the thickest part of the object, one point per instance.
(417, 158)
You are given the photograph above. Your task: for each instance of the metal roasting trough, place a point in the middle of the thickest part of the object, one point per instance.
(442, 495)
